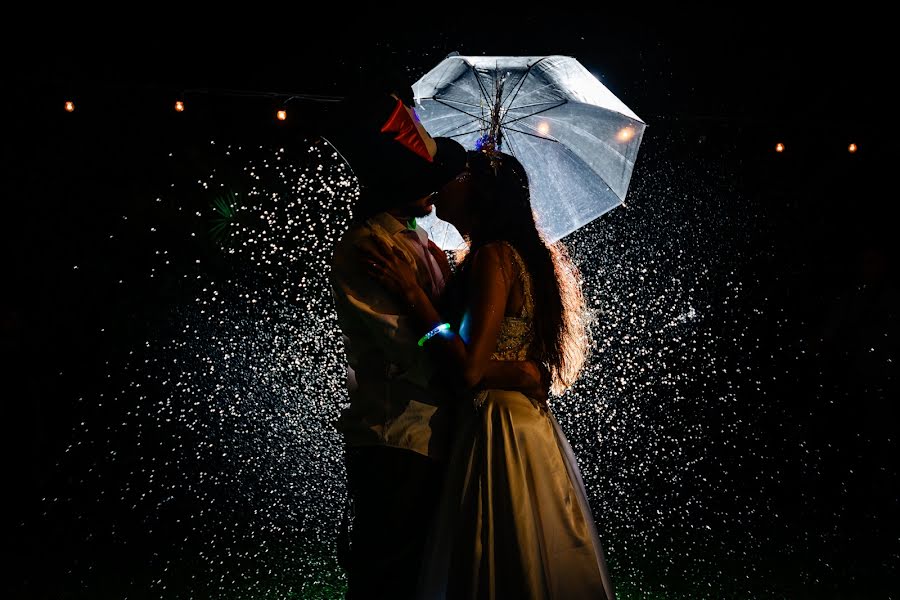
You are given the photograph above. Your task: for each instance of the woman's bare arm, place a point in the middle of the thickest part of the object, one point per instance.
(464, 355)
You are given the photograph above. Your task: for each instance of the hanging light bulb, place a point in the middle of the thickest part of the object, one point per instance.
(70, 106)
(543, 128)
(282, 115)
(179, 106)
(779, 147)
(851, 148)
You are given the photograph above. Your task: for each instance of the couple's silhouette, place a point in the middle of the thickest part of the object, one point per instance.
(461, 482)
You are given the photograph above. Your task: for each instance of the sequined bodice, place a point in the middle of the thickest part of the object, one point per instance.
(516, 332)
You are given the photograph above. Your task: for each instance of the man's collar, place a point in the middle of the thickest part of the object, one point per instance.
(389, 222)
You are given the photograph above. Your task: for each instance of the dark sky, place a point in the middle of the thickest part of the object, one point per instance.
(740, 84)
(825, 70)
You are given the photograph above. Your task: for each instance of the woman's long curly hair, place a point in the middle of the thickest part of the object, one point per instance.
(502, 204)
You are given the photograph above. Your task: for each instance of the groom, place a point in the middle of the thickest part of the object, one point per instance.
(396, 426)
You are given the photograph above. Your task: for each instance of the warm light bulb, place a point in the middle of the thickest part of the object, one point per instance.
(282, 115)
(852, 148)
(543, 128)
(179, 106)
(70, 106)
(625, 134)
(779, 147)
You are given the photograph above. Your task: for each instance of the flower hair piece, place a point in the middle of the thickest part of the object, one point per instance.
(490, 146)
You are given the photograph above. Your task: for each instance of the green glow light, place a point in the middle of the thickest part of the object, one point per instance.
(433, 332)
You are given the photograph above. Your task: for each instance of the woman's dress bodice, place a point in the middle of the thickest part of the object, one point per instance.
(517, 332)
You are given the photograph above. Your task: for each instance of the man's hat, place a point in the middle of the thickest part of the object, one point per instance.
(391, 153)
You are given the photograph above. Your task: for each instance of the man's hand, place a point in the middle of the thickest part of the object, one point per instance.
(388, 266)
(526, 376)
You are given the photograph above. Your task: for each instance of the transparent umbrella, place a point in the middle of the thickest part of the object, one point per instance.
(575, 138)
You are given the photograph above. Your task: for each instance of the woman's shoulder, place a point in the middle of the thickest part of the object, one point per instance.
(497, 249)
(498, 252)
(499, 255)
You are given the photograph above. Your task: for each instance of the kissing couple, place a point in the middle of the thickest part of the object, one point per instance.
(461, 484)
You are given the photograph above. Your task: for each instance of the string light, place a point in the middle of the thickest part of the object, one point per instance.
(624, 134)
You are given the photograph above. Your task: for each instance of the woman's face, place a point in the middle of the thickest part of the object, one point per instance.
(452, 202)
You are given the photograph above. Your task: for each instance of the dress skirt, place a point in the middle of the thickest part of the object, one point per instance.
(513, 521)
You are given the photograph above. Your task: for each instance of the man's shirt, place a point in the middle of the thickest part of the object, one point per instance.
(393, 400)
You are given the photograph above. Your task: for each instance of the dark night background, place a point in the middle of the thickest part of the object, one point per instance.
(720, 95)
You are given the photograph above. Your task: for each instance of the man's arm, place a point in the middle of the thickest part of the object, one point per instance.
(369, 313)
(526, 376)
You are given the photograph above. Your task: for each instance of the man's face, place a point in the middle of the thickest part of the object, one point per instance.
(420, 208)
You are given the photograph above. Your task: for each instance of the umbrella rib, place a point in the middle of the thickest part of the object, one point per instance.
(444, 101)
(521, 106)
(540, 137)
(522, 81)
(535, 91)
(446, 231)
(537, 112)
(479, 118)
(483, 91)
(511, 151)
(463, 133)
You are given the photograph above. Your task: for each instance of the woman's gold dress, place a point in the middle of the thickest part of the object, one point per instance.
(514, 520)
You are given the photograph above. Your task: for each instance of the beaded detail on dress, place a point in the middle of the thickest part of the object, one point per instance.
(516, 332)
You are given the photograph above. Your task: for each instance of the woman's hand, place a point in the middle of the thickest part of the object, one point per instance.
(538, 378)
(389, 266)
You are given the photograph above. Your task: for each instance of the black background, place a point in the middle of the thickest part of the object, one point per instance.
(740, 88)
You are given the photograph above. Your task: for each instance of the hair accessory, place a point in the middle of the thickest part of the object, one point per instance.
(490, 145)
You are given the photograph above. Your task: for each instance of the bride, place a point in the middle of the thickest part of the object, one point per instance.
(514, 519)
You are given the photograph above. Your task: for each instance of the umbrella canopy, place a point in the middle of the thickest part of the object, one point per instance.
(577, 141)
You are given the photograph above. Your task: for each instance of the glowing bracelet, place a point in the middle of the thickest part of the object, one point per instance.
(433, 332)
